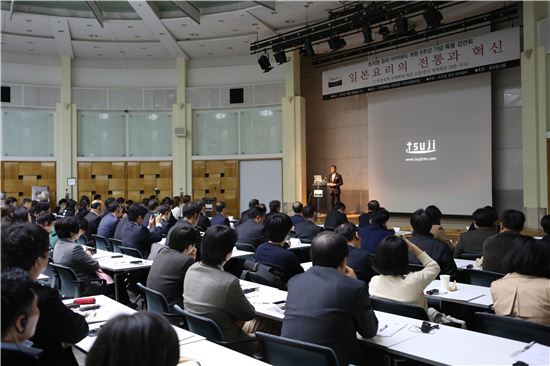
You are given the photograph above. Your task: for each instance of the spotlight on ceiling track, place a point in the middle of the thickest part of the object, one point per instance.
(307, 50)
(383, 31)
(264, 63)
(432, 16)
(402, 26)
(336, 42)
(279, 55)
(367, 34)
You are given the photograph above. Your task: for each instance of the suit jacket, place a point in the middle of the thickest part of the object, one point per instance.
(364, 219)
(107, 226)
(56, 324)
(471, 242)
(204, 222)
(338, 180)
(546, 238)
(437, 250)
(20, 354)
(327, 307)
(244, 216)
(495, 248)
(93, 223)
(140, 238)
(276, 256)
(307, 230)
(167, 274)
(335, 219)
(359, 260)
(250, 232)
(522, 296)
(72, 255)
(224, 302)
(296, 219)
(371, 236)
(119, 227)
(219, 219)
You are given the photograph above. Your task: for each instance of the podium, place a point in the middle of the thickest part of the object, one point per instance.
(320, 196)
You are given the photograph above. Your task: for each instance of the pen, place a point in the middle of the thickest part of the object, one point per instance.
(384, 327)
(529, 345)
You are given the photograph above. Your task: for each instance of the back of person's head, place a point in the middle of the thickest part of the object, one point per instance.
(66, 227)
(380, 216)
(373, 205)
(435, 214)
(339, 206)
(278, 226)
(145, 201)
(219, 206)
(45, 218)
(275, 206)
(112, 206)
(528, 256)
(26, 200)
(182, 237)
(217, 243)
(21, 214)
(255, 212)
(186, 199)
(545, 223)
(153, 204)
(17, 303)
(140, 339)
(11, 201)
(135, 211)
(421, 222)
(82, 224)
(262, 208)
(329, 249)
(23, 244)
(163, 209)
(348, 230)
(190, 210)
(392, 257)
(108, 200)
(121, 200)
(42, 207)
(308, 212)
(71, 205)
(96, 205)
(484, 217)
(512, 219)
(253, 203)
(297, 207)
(167, 201)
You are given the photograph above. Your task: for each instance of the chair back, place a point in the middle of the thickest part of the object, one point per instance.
(68, 285)
(52, 275)
(82, 240)
(116, 244)
(470, 256)
(156, 302)
(399, 308)
(415, 267)
(245, 247)
(101, 243)
(201, 325)
(131, 251)
(481, 278)
(513, 328)
(280, 351)
(265, 275)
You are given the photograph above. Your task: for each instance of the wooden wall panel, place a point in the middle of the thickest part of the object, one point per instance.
(18, 177)
(217, 179)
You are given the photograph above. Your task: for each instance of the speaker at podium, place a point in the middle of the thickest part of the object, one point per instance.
(320, 195)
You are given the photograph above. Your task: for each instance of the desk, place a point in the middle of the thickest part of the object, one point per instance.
(266, 300)
(42, 277)
(300, 245)
(240, 253)
(463, 263)
(306, 265)
(211, 354)
(470, 295)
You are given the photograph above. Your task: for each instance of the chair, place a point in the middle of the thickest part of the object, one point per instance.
(470, 256)
(264, 275)
(52, 275)
(82, 240)
(245, 247)
(513, 328)
(280, 351)
(101, 243)
(415, 267)
(156, 302)
(131, 252)
(399, 308)
(69, 284)
(116, 244)
(481, 278)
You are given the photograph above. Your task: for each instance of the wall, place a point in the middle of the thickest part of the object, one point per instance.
(18, 178)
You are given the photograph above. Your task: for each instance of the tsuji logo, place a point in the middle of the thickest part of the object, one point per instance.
(424, 147)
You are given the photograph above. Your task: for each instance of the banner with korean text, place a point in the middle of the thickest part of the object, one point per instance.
(465, 56)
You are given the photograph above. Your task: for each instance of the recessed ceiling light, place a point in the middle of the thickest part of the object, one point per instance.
(201, 45)
(210, 53)
(184, 25)
(29, 30)
(99, 54)
(289, 21)
(143, 48)
(254, 24)
(28, 20)
(149, 55)
(89, 25)
(229, 48)
(235, 30)
(130, 26)
(31, 49)
(122, 51)
(137, 36)
(194, 34)
(246, 41)
(60, 31)
(221, 20)
(273, 13)
(96, 47)
(30, 42)
(162, 34)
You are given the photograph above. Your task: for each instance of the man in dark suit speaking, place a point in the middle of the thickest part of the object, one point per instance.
(334, 181)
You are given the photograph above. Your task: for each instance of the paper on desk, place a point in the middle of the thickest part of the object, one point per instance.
(388, 330)
(460, 294)
(536, 355)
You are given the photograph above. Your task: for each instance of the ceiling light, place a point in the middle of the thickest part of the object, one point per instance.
(402, 25)
(220, 115)
(336, 42)
(103, 116)
(264, 63)
(307, 50)
(279, 55)
(367, 34)
(383, 31)
(432, 16)
(153, 117)
(266, 113)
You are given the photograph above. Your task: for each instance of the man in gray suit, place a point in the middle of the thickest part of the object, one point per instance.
(471, 242)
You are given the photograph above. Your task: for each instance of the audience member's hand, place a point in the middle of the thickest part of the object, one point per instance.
(152, 220)
(66, 344)
(89, 252)
(193, 253)
(158, 219)
(350, 272)
(239, 323)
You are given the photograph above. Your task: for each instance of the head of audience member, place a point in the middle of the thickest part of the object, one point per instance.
(202, 205)
(25, 246)
(70, 208)
(152, 205)
(136, 213)
(380, 217)
(97, 207)
(84, 203)
(392, 257)
(484, 217)
(545, 224)
(21, 214)
(27, 203)
(40, 207)
(278, 227)
(329, 249)
(168, 201)
(333, 169)
(186, 199)
(220, 207)
(373, 205)
(217, 245)
(145, 202)
(309, 213)
(120, 200)
(82, 226)
(6, 213)
(97, 196)
(435, 214)
(256, 214)
(528, 256)
(176, 201)
(274, 206)
(164, 211)
(297, 207)
(11, 201)
(184, 239)
(421, 222)
(253, 203)
(19, 306)
(263, 208)
(46, 220)
(349, 231)
(113, 207)
(512, 220)
(340, 207)
(191, 212)
(68, 228)
(148, 339)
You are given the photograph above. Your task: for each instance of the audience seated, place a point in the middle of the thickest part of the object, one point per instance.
(152, 209)
(21, 214)
(204, 222)
(110, 219)
(220, 217)
(308, 229)
(327, 305)
(137, 236)
(26, 202)
(121, 224)
(167, 219)
(46, 220)
(19, 318)
(495, 247)
(437, 230)
(545, 224)
(274, 207)
(190, 216)
(364, 218)
(471, 242)
(252, 231)
(273, 253)
(297, 218)
(373, 233)
(171, 263)
(525, 290)
(139, 339)
(96, 209)
(436, 249)
(176, 207)
(253, 203)
(26, 246)
(337, 216)
(358, 260)
(83, 206)
(395, 282)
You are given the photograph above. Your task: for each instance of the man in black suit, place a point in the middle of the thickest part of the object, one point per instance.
(471, 242)
(274, 207)
(203, 222)
(327, 304)
(545, 223)
(308, 229)
(337, 216)
(358, 259)
(364, 218)
(297, 218)
(93, 218)
(252, 231)
(107, 225)
(495, 247)
(137, 236)
(334, 181)
(246, 213)
(220, 218)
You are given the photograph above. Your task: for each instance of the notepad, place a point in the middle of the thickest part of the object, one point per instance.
(536, 355)
(388, 330)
